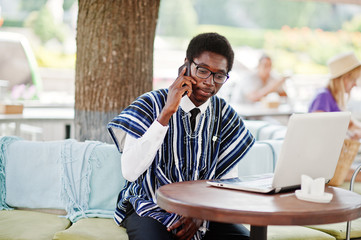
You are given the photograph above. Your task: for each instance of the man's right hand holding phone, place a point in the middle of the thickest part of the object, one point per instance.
(182, 85)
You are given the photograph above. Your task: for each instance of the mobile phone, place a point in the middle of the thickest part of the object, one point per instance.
(187, 73)
(185, 65)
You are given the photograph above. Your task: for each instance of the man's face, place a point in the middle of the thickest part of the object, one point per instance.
(349, 84)
(264, 68)
(206, 88)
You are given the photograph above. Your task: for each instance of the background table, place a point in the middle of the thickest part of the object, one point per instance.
(39, 115)
(199, 200)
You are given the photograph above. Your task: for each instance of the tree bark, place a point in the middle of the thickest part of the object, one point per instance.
(114, 62)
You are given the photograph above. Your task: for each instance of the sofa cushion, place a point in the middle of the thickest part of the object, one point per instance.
(338, 230)
(356, 186)
(254, 126)
(84, 178)
(30, 225)
(105, 183)
(263, 130)
(4, 143)
(93, 229)
(261, 158)
(33, 175)
(106, 180)
(294, 233)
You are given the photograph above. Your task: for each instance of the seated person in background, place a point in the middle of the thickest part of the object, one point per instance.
(160, 145)
(345, 69)
(262, 82)
(1, 18)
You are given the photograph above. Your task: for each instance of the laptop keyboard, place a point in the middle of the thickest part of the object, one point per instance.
(261, 183)
(258, 181)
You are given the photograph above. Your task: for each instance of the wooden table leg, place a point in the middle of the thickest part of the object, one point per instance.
(258, 232)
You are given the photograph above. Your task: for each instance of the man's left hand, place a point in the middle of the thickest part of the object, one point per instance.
(189, 227)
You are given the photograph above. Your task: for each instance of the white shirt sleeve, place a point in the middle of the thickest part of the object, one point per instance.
(138, 153)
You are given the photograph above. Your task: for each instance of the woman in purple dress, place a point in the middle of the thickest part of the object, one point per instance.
(344, 69)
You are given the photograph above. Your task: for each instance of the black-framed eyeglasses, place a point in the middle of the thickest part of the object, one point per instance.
(204, 73)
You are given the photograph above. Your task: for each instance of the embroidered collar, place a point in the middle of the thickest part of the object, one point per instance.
(186, 104)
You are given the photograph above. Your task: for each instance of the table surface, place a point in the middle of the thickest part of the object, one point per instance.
(40, 114)
(199, 200)
(259, 110)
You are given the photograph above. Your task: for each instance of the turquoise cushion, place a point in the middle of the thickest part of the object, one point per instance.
(106, 179)
(33, 174)
(263, 130)
(84, 178)
(105, 183)
(254, 126)
(261, 158)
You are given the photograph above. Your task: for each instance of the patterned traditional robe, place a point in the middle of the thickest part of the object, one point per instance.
(219, 141)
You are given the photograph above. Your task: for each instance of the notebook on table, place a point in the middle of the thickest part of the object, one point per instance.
(312, 146)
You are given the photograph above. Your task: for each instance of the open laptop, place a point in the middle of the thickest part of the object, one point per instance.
(312, 146)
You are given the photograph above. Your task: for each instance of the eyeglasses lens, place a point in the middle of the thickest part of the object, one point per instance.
(205, 73)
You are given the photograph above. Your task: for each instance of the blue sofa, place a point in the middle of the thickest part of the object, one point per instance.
(68, 189)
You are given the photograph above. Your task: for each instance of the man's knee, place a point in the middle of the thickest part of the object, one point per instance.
(139, 228)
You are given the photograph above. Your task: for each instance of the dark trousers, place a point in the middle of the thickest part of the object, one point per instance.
(146, 228)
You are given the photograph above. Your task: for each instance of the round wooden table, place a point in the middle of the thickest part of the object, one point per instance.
(199, 200)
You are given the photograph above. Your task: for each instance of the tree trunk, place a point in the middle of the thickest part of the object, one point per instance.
(114, 62)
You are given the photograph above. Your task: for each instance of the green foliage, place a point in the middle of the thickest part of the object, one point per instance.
(274, 14)
(12, 23)
(44, 26)
(354, 25)
(270, 14)
(276, 26)
(217, 12)
(299, 63)
(301, 50)
(312, 48)
(177, 18)
(318, 45)
(237, 36)
(54, 59)
(32, 5)
(68, 4)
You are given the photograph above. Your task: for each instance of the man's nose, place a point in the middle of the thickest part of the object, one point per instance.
(210, 79)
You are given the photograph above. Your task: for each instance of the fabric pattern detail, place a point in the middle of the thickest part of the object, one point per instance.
(76, 173)
(217, 144)
(4, 142)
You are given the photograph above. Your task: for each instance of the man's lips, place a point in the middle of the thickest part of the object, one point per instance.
(206, 91)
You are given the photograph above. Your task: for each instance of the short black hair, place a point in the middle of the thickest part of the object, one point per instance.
(212, 42)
